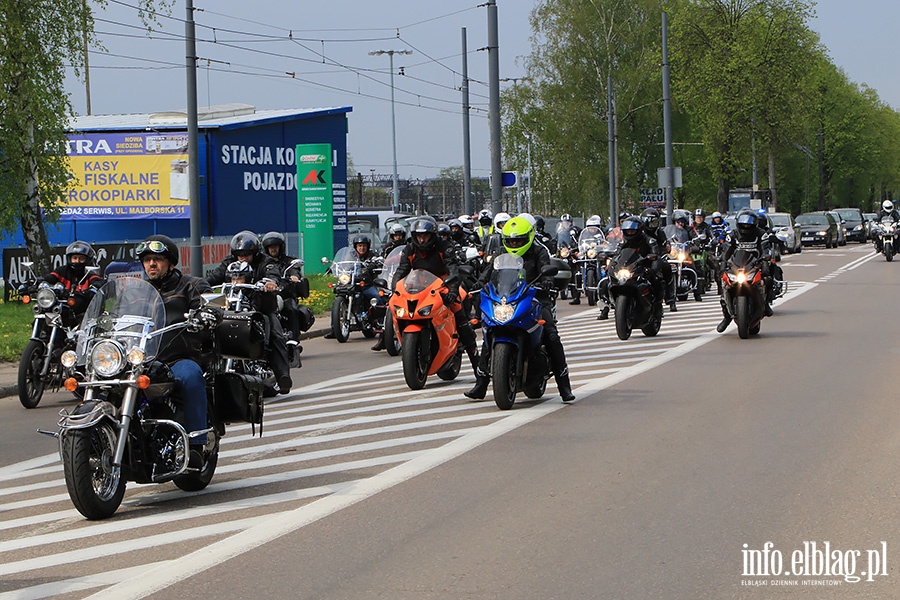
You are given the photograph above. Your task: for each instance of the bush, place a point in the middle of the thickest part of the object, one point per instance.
(320, 295)
(15, 329)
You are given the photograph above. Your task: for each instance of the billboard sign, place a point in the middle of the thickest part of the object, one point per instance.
(315, 204)
(128, 176)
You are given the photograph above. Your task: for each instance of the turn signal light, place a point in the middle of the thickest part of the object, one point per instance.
(541, 321)
(473, 321)
(71, 301)
(26, 299)
(143, 382)
(71, 384)
(331, 285)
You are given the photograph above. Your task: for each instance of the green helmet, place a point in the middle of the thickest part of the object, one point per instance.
(518, 235)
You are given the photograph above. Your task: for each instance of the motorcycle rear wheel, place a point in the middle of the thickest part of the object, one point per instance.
(624, 317)
(742, 316)
(340, 322)
(414, 371)
(87, 454)
(30, 383)
(504, 375)
(653, 326)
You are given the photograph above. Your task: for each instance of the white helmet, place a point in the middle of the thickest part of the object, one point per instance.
(500, 219)
(528, 217)
(466, 220)
(887, 206)
(594, 220)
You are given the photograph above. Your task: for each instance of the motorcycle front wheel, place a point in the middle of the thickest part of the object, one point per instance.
(742, 316)
(96, 489)
(340, 321)
(30, 382)
(415, 366)
(590, 287)
(624, 317)
(504, 375)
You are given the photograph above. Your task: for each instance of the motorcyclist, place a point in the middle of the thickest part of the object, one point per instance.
(542, 236)
(634, 236)
(700, 226)
(79, 256)
(677, 230)
(518, 239)
(396, 238)
(245, 247)
(294, 286)
(719, 227)
(701, 229)
(179, 349)
(445, 234)
(485, 225)
(468, 225)
(748, 236)
(567, 237)
(428, 252)
(887, 211)
(456, 232)
(652, 221)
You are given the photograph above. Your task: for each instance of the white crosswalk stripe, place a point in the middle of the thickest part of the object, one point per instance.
(320, 441)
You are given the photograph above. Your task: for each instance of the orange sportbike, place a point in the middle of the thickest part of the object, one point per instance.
(426, 328)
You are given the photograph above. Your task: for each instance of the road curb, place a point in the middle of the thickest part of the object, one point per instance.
(9, 390)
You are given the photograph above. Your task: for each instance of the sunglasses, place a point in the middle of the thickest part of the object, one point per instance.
(154, 246)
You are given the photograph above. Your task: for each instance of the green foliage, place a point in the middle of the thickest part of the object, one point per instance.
(320, 295)
(15, 329)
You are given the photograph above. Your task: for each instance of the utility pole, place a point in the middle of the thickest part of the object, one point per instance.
(667, 120)
(391, 53)
(468, 206)
(494, 106)
(87, 65)
(193, 135)
(611, 133)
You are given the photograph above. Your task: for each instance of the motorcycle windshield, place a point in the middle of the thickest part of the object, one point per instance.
(390, 266)
(508, 275)
(743, 260)
(564, 235)
(591, 238)
(127, 310)
(626, 259)
(418, 281)
(492, 245)
(345, 264)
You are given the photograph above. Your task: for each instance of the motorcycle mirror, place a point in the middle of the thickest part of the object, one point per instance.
(217, 300)
(379, 282)
(550, 270)
(466, 270)
(325, 260)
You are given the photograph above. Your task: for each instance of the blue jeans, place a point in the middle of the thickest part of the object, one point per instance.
(189, 376)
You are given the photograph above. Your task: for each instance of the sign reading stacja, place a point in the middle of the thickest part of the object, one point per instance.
(315, 204)
(128, 176)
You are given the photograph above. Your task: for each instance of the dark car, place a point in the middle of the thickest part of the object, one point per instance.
(869, 219)
(818, 228)
(855, 223)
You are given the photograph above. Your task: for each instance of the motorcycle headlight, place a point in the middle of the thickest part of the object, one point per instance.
(135, 356)
(46, 298)
(592, 253)
(344, 278)
(564, 252)
(107, 358)
(68, 359)
(425, 310)
(503, 312)
(401, 312)
(741, 277)
(681, 256)
(623, 275)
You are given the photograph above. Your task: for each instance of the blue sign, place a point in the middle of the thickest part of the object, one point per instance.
(509, 179)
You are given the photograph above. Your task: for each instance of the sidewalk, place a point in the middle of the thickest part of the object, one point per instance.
(9, 372)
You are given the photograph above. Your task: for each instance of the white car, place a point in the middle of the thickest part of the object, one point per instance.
(787, 232)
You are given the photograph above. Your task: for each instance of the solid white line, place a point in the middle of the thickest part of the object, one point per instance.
(77, 584)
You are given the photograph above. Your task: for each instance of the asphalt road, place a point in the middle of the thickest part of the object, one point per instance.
(684, 455)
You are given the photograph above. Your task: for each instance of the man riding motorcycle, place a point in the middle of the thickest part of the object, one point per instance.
(79, 255)
(428, 252)
(652, 221)
(887, 211)
(179, 349)
(634, 236)
(518, 239)
(294, 287)
(245, 247)
(748, 236)
(542, 236)
(396, 238)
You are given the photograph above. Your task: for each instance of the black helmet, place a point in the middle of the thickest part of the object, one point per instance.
(361, 238)
(273, 238)
(624, 215)
(746, 220)
(423, 225)
(443, 230)
(650, 217)
(454, 223)
(244, 242)
(158, 244)
(631, 226)
(79, 247)
(681, 218)
(539, 223)
(700, 213)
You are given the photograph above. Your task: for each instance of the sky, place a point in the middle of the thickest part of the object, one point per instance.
(247, 50)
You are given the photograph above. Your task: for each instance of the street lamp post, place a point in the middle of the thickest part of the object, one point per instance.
(391, 54)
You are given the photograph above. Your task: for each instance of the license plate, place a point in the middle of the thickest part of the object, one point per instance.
(806, 238)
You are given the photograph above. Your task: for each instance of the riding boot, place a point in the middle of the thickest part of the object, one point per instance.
(604, 314)
(474, 358)
(482, 380)
(379, 345)
(726, 319)
(564, 387)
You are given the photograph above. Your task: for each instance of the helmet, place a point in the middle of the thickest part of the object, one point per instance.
(518, 234)
(566, 217)
(79, 247)
(244, 242)
(466, 220)
(650, 217)
(528, 217)
(158, 244)
(761, 217)
(361, 238)
(500, 219)
(485, 217)
(716, 215)
(423, 225)
(623, 215)
(239, 268)
(443, 230)
(539, 223)
(746, 220)
(273, 238)
(454, 223)
(631, 226)
(397, 229)
(681, 218)
(700, 213)
(594, 220)
(887, 206)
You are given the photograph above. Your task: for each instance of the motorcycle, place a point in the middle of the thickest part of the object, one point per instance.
(887, 238)
(513, 329)
(128, 427)
(426, 328)
(350, 311)
(386, 282)
(744, 292)
(633, 295)
(684, 278)
(52, 333)
(589, 261)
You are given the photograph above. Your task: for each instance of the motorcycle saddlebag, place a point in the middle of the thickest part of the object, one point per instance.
(242, 335)
(239, 398)
(307, 318)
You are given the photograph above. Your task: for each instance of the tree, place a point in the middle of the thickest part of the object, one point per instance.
(38, 38)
